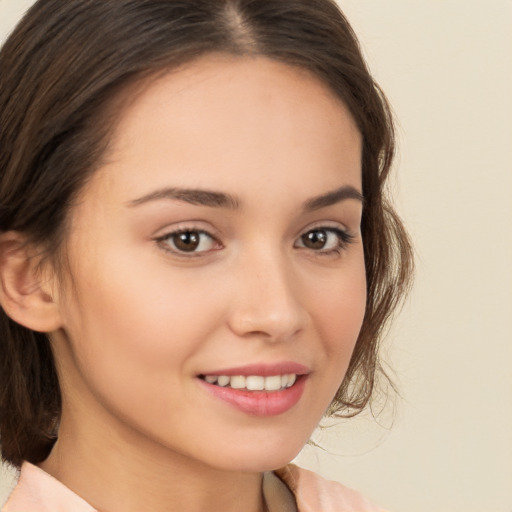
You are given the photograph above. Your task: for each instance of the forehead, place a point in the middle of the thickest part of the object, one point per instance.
(234, 118)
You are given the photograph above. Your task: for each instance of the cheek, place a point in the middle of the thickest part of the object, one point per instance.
(134, 331)
(159, 329)
(133, 352)
(338, 311)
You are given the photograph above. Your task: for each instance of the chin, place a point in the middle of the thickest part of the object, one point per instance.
(258, 459)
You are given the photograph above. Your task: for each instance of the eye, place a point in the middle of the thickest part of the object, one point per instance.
(325, 240)
(189, 241)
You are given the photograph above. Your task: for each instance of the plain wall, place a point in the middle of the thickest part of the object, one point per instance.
(446, 67)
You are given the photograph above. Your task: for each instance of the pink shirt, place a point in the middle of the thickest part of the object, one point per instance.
(290, 489)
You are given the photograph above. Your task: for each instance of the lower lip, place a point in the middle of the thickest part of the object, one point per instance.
(259, 403)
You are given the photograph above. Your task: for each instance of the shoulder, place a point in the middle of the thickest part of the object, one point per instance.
(37, 491)
(315, 494)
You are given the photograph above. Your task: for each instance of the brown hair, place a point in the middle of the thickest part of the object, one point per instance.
(61, 68)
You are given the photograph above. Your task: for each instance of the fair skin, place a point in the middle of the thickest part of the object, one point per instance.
(273, 281)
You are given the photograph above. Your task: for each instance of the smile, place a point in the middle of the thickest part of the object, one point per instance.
(254, 394)
(253, 382)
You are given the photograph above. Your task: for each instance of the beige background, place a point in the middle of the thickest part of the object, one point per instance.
(447, 69)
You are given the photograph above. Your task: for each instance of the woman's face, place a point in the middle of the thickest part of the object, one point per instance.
(217, 275)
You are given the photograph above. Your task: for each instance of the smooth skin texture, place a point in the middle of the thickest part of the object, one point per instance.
(141, 319)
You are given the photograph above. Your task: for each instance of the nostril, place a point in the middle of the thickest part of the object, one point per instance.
(270, 326)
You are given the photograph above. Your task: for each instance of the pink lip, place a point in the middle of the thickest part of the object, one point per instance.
(261, 403)
(265, 370)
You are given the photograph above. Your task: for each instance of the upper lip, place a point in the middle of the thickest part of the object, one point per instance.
(263, 369)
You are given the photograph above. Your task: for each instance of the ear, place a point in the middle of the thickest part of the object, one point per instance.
(26, 293)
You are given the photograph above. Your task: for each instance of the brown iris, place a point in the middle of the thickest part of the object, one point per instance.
(187, 241)
(315, 239)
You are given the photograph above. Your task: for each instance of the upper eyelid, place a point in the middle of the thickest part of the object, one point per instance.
(327, 225)
(185, 226)
(216, 234)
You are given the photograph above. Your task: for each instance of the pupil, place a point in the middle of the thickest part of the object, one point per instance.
(188, 241)
(315, 239)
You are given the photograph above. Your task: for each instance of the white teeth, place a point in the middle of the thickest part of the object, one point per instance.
(237, 382)
(253, 382)
(273, 383)
(223, 380)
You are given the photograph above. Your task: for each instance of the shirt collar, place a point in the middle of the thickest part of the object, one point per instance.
(38, 491)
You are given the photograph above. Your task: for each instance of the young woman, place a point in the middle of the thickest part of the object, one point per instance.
(196, 253)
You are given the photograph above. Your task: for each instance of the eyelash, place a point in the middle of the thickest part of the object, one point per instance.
(165, 239)
(344, 239)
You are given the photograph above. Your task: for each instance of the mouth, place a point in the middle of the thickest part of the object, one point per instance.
(258, 390)
(271, 383)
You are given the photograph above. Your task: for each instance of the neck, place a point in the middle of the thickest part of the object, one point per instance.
(115, 469)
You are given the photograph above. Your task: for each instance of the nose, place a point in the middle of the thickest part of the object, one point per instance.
(267, 302)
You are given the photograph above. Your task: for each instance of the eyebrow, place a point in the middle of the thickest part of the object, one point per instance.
(198, 197)
(333, 197)
(215, 199)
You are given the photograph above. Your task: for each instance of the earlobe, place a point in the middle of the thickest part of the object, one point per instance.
(25, 294)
